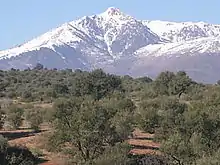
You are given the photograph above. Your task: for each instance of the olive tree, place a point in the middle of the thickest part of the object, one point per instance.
(91, 125)
(14, 116)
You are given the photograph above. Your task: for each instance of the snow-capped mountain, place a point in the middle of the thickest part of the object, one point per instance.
(184, 31)
(121, 44)
(112, 31)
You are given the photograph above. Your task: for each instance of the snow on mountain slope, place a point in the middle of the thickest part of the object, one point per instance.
(111, 31)
(121, 44)
(183, 31)
(54, 37)
(191, 47)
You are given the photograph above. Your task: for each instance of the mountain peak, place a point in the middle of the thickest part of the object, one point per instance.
(116, 13)
(111, 11)
(121, 44)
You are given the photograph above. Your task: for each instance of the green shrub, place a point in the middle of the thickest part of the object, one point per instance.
(116, 155)
(15, 155)
(3, 144)
(35, 118)
(19, 156)
(14, 116)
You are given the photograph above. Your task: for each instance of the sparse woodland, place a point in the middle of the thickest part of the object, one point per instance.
(91, 116)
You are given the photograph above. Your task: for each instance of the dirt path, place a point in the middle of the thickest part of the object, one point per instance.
(35, 143)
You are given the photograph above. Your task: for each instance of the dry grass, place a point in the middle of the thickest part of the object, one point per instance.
(44, 105)
(35, 104)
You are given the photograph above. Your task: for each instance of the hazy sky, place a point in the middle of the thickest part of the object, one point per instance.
(22, 20)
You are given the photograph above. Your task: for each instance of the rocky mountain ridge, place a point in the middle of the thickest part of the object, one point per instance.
(121, 44)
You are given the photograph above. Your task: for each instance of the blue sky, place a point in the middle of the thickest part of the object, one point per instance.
(22, 20)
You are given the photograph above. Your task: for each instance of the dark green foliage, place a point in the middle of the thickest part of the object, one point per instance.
(60, 89)
(92, 125)
(3, 144)
(97, 84)
(168, 83)
(14, 116)
(27, 95)
(148, 118)
(34, 117)
(15, 155)
(148, 160)
(45, 85)
(210, 160)
(180, 83)
(162, 83)
(2, 117)
(187, 130)
(95, 112)
(161, 113)
(19, 156)
(116, 155)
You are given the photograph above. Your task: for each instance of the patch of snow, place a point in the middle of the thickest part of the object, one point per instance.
(201, 45)
(183, 31)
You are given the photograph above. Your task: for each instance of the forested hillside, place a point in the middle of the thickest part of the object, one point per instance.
(90, 116)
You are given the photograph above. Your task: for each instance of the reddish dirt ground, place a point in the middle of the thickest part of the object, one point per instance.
(49, 163)
(142, 135)
(142, 142)
(145, 152)
(35, 141)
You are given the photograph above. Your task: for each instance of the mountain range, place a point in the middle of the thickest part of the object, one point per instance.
(121, 44)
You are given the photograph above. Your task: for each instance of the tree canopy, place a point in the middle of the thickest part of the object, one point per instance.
(94, 113)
